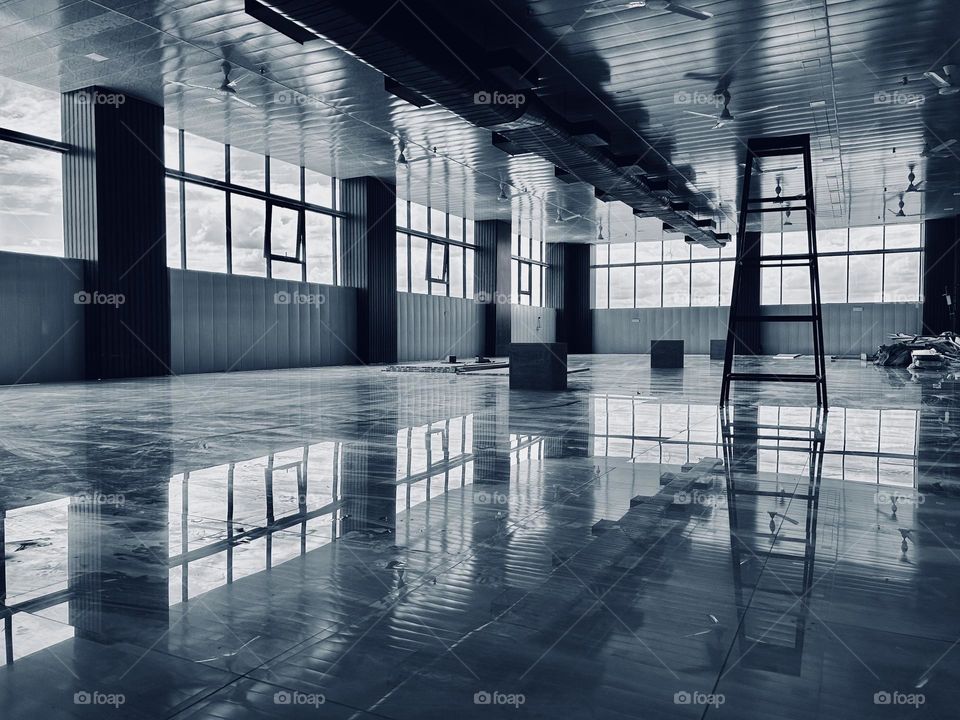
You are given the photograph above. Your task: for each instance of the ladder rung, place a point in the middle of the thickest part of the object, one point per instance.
(773, 209)
(775, 318)
(791, 256)
(780, 198)
(774, 377)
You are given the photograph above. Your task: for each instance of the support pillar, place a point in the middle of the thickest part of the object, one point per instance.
(568, 290)
(941, 275)
(492, 283)
(114, 218)
(368, 259)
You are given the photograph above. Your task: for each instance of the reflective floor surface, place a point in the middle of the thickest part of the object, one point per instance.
(349, 543)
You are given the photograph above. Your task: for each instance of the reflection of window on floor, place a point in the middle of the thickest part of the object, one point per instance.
(34, 538)
(525, 447)
(432, 459)
(275, 507)
(862, 445)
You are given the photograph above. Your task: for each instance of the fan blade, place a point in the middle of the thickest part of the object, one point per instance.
(689, 12)
(236, 81)
(243, 101)
(191, 85)
(700, 114)
(936, 79)
(943, 146)
(754, 112)
(602, 7)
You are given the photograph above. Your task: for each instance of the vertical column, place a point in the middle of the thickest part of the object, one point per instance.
(750, 340)
(941, 275)
(568, 290)
(368, 261)
(492, 283)
(113, 188)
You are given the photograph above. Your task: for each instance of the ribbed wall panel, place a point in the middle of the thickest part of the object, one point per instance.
(114, 217)
(847, 329)
(368, 261)
(492, 282)
(533, 324)
(431, 327)
(221, 323)
(42, 325)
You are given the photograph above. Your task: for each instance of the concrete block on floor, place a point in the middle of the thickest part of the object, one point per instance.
(666, 353)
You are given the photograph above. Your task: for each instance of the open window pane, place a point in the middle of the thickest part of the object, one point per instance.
(418, 264)
(206, 229)
(438, 262)
(247, 217)
(319, 248)
(283, 232)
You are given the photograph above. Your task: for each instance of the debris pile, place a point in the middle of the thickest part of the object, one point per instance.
(920, 351)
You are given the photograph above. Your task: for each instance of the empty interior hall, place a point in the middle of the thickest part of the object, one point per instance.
(413, 359)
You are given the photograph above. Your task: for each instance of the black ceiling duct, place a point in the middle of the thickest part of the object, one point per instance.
(431, 57)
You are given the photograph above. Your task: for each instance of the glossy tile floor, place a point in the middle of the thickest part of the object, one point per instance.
(344, 542)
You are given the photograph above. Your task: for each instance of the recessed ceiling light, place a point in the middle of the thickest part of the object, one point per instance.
(818, 103)
(946, 209)
(96, 57)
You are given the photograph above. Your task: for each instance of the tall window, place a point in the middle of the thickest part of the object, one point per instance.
(528, 269)
(31, 179)
(873, 264)
(233, 211)
(654, 274)
(435, 251)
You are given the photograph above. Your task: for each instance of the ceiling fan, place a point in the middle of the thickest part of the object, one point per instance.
(900, 213)
(944, 82)
(605, 7)
(402, 158)
(725, 116)
(227, 89)
(942, 150)
(913, 187)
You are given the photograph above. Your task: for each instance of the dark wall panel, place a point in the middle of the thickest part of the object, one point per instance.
(369, 263)
(492, 283)
(114, 217)
(42, 324)
(241, 331)
(941, 273)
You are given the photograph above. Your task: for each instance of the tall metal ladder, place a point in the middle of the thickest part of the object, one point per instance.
(765, 148)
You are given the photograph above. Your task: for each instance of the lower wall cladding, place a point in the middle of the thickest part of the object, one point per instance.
(847, 328)
(430, 327)
(220, 323)
(40, 321)
(529, 323)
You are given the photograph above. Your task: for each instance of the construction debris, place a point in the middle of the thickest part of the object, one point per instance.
(907, 350)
